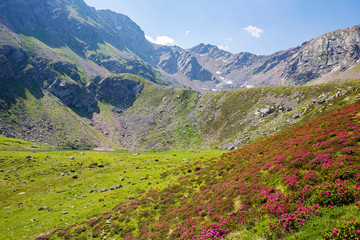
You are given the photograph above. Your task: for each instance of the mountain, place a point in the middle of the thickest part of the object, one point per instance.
(77, 77)
(103, 42)
(336, 51)
(325, 58)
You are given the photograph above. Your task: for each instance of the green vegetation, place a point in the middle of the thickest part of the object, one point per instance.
(301, 184)
(13, 144)
(229, 116)
(35, 179)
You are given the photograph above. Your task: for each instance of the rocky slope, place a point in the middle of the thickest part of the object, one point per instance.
(317, 59)
(336, 51)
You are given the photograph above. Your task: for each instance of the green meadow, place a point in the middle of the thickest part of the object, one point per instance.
(46, 189)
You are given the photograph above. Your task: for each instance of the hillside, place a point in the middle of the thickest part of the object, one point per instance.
(127, 112)
(72, 76)
(300, 184)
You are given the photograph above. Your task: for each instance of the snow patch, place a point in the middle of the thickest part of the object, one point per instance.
(218, 72)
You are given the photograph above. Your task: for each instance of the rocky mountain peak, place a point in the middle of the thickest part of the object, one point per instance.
(335, 51)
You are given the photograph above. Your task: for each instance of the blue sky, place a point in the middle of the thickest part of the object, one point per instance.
(256, 26)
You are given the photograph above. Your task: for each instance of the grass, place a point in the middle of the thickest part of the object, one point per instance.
(222, 112)
(13, 144)
(35, 179)
(300, 184)
(316, 227)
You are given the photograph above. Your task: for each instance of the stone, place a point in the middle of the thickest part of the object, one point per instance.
(42, 208)
(65, 212)
(33, 220)
(104, 190)
(135, 154)
(266, 111)
(1, 170)
(100, 166)
(156, 160)
(74, 176)
(122, 179)
(45, 235)
(72, 170)
(116, 187)
(71, 158)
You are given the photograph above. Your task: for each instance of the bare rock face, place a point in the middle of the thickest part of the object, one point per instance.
(191, 68)
(334, 51)
(174, 60)
(74, 95)
(119, 92)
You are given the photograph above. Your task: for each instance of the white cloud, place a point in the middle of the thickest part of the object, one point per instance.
(187, 32)
(253, 31)
(162, 40)
(229, 39)
(224, 47)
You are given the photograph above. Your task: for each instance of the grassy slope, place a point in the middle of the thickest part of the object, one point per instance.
(169, 118)
(13, 144)
(231, 116)
(39, 176)
(52, 121)
(302, 183)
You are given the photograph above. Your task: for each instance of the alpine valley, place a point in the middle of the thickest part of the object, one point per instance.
(162, 120)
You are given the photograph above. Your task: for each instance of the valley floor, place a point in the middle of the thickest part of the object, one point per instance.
(44, 190)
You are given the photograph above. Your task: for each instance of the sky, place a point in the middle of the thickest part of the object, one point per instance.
(256, 26)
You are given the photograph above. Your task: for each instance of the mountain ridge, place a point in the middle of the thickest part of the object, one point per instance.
(203, 67)
(98, 70)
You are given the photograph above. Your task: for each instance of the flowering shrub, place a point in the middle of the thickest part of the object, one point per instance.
(285, 180)
(337, 193)
(349, 232)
